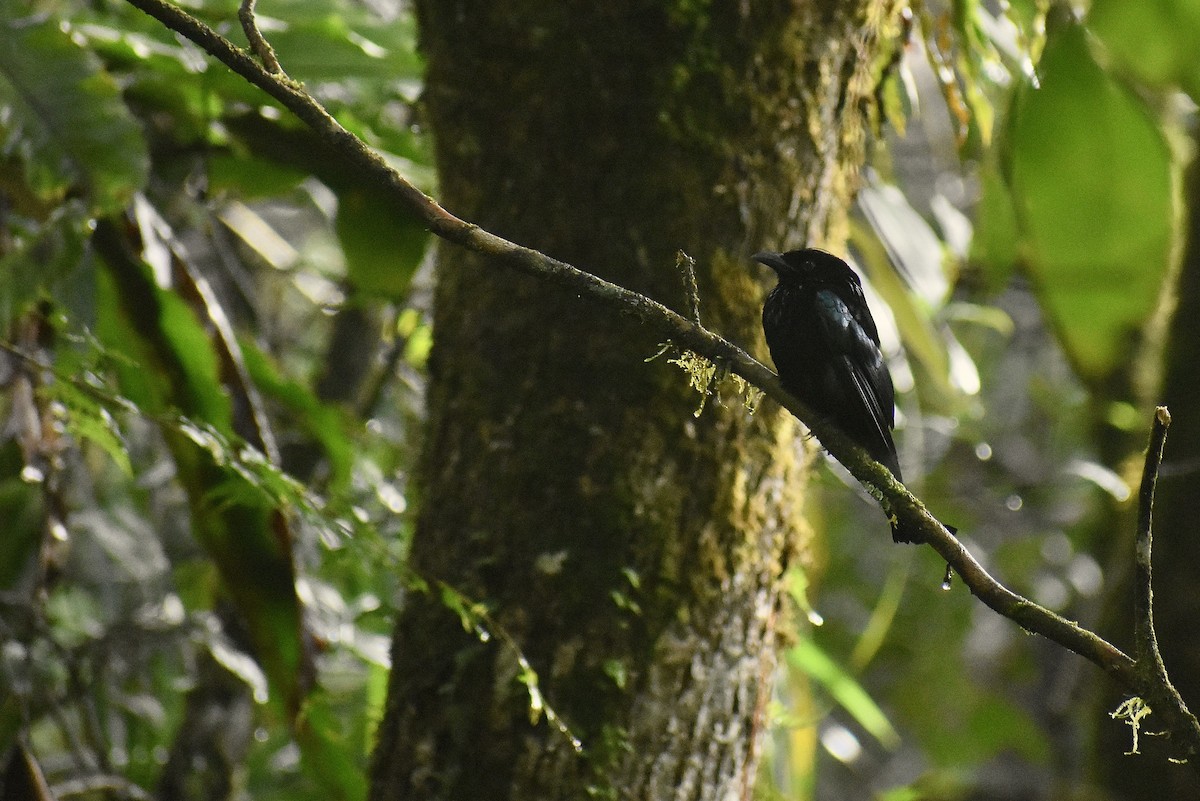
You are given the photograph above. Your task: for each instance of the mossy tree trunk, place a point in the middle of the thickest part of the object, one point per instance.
(636, 554)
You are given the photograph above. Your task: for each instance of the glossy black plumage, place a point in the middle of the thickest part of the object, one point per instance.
(826, 349)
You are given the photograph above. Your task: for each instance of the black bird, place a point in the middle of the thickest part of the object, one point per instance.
(826, 349)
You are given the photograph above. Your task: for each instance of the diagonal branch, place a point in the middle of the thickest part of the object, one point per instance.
(670, 325)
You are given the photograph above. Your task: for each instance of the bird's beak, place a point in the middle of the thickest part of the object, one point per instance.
(773, 260)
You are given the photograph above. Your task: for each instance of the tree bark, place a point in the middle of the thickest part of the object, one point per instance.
(634, 553)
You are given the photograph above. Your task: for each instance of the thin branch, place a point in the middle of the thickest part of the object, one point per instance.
(1152, 672)
(1146, 642)
(668, 324)
(258, 43)
(687, 268)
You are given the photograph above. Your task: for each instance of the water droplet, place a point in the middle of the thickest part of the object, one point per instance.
(948, 579)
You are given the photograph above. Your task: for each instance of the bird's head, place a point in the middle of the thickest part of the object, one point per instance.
(809, 264)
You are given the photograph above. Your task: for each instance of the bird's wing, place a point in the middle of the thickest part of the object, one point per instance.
(856, 302)
(880, 415)
(862, 366)
(864, 345)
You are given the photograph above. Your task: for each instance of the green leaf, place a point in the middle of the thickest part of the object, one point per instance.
(233, 496)
(326, 755)
(1093, 190)
(251, 177)
(320, 421)
(382, 245)
(808, 658)
(1157, 39)
(337, 41)
(64, 117)
(995, 246)
(48, 259)
(88, 420)
(174, 366)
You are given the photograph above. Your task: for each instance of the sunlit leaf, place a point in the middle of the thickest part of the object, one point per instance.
(911, 300)
(335, 41)
(259, 235)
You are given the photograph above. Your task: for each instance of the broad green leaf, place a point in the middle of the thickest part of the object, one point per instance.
(996, 724)
(901, 794)
(250, 176)
(1157, 39)
(339, 41)
(63, 116)
(1093, 192)
(383, 246)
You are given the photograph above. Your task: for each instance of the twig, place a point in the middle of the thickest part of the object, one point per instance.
(685, 333)
(1146, 643)
(687, 267)
(258, 43)
(1152, 672)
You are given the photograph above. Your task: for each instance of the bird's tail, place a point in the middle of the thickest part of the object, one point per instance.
(905, 533)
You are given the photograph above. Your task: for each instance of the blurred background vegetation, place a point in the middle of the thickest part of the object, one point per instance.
(205, 473)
